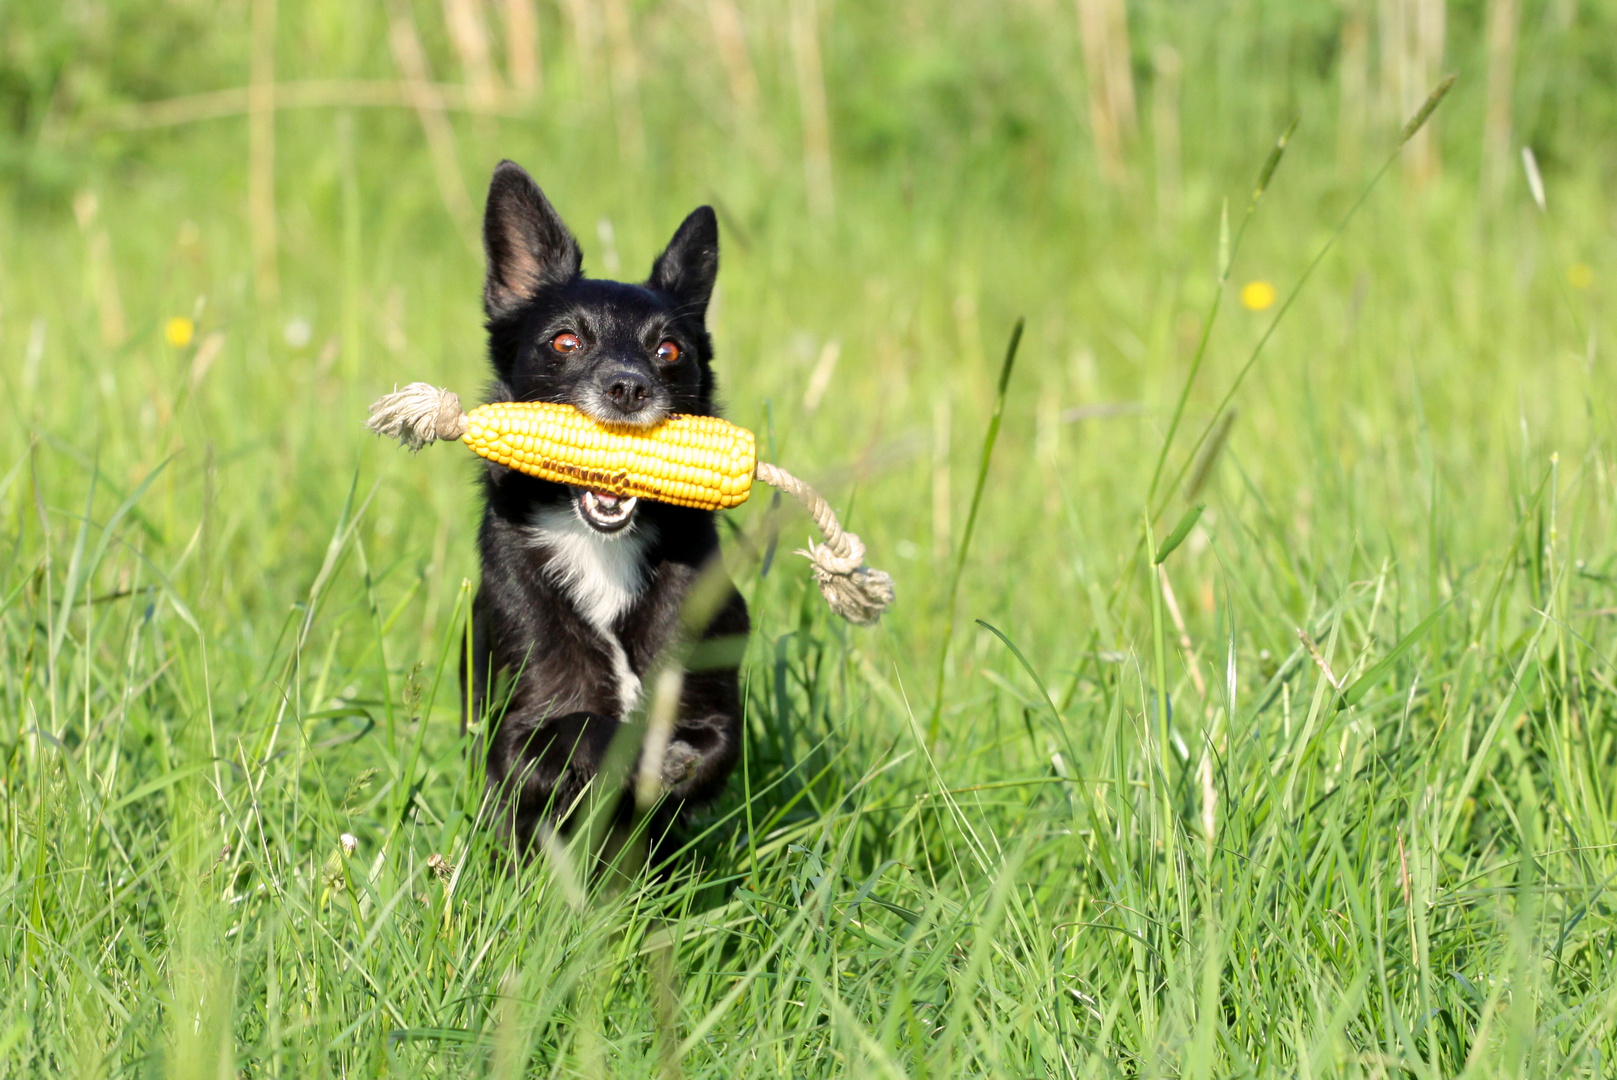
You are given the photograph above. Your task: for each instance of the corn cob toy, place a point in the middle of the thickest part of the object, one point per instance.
(698, 461)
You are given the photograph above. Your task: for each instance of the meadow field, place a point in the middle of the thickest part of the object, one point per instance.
(1317, 781)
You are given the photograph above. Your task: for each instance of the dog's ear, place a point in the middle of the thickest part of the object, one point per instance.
(689, 265)
(528, 246)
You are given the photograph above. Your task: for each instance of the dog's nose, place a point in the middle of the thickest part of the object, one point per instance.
(628, 390)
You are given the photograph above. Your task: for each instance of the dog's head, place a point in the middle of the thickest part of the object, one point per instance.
(622, 353)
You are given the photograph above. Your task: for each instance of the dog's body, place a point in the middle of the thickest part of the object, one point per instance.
(581, 592)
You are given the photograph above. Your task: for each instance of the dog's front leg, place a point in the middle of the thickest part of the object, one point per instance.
(538, 771)
(706, 739)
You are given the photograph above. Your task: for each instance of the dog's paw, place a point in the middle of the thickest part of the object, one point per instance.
(679, 764)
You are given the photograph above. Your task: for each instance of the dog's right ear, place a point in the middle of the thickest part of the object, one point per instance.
(528, 246)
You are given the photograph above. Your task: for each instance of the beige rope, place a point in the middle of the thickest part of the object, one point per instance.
(421, 413)
(855, 591)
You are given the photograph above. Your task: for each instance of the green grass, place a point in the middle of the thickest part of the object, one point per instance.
(229, 619)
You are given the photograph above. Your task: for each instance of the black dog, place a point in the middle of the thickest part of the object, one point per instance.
(582, 591)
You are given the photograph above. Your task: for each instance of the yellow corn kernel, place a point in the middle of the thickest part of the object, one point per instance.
(697, 461)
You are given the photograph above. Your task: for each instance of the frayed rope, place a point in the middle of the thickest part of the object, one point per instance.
(417, 415)
(421, 413)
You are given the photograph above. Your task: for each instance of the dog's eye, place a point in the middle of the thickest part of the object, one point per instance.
(566, 343)
(668, 352)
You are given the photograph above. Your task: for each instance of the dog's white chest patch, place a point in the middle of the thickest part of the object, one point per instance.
(601, 574)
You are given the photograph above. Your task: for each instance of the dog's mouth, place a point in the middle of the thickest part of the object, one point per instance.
(602, 512)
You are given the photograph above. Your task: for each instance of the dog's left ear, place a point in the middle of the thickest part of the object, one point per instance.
(689, 265)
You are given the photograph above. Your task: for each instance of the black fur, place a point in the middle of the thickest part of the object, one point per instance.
(537, 660)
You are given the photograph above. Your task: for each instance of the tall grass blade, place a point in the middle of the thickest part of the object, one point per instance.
(1363, 684)
(1272, 162)
(1180, 531)
(1535, 179)
(1045, 696)
(75, 573)
(971, 524)
(1227, 251)
(1414, 125)
(1208, 457)
(1428, 107)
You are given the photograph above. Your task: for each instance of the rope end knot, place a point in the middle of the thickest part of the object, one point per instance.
(418, 414)
(857, 592)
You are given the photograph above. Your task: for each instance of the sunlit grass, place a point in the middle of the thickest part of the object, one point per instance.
(1326, 792)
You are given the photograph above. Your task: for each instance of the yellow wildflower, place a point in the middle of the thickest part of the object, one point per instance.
(1257, 295)
(178, 331)
(1580, 275)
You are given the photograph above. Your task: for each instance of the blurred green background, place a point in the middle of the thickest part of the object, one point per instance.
(1143, 841)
